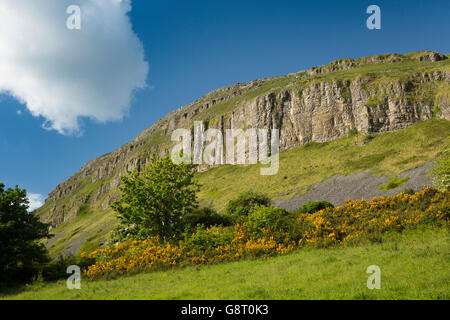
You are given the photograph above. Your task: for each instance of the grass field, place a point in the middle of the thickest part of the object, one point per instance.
(414, 265)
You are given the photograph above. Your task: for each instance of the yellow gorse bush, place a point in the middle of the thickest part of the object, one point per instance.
(152, 254)
(351, 223)
(358, 220)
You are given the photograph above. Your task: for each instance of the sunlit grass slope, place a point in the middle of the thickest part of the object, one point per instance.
(414, 265)
(90, 228)
(388, 153)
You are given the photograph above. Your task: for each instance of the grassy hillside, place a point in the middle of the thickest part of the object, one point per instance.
(90, 228)
(388, 153)
(414, 265)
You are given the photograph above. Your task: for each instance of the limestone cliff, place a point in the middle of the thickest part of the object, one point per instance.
(371, 95)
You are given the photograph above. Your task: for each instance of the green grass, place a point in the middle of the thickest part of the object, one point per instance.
(91, 226)
(414, 265)
(393, 183)
(387, 71)
(388, 153)
(374, 101)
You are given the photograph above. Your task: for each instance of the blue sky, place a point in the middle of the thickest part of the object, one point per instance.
(193, 47)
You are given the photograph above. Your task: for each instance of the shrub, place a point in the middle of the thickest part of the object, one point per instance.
(245, 203)
(352, 132)
(208, 239)
(206, 246)
(57, 269)
(409, 191)
(436, 110)
(206, 217)
(263, 218)
(122, 233)
(362, 220)
(313, 206)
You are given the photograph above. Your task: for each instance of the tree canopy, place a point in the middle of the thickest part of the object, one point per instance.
(156, 200)
(21, 253)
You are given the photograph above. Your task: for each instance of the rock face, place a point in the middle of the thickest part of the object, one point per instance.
(370, 95)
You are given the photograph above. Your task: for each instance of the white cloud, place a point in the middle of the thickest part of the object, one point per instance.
(36, 201)
(63, 74)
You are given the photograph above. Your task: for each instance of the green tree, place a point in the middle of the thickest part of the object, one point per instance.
(21, 253)
(156, 200)
(240, 207)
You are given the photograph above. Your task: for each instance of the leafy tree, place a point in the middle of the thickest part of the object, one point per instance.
(21, 253)
(156, 200)
(245, 203)
(440, 170)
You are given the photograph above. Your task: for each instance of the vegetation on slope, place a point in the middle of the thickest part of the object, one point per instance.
(388, 153)
(91, 228)
(414, 265)
(81, 193)
(265, 231)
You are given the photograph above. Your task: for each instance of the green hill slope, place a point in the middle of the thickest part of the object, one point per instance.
(318, 112)
(414, 265)
(387, 153)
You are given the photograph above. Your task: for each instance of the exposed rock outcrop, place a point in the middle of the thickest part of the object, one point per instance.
(321, 104)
